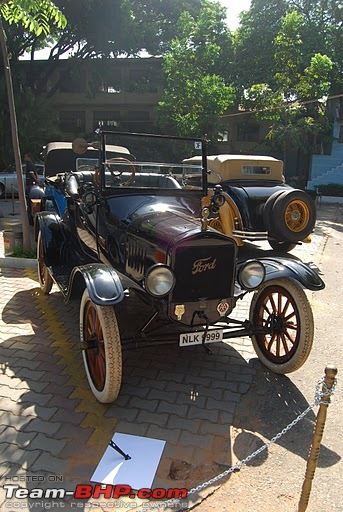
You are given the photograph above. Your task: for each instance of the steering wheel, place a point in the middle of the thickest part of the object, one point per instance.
(125, 161)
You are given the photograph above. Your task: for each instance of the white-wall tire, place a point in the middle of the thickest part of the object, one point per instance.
(44, 278)
(103, 363)
(285, 303)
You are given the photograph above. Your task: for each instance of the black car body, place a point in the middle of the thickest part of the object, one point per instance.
(259, 204)
(134, 241)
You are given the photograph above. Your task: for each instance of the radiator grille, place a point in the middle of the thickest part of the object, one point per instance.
(204, 269)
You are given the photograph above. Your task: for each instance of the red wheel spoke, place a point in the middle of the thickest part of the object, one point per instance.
(290, 315)
(284, 343)
(292, 340)
(264, 306)
(271, 341)
(279, 304)
(285, 307)
(277, 346)
(272, 302)
(291, 326)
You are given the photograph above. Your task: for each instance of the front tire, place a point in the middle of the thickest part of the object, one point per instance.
(101, 349)
(45, 279)
(282, 305)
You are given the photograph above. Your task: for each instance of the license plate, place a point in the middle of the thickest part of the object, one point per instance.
(195, 338)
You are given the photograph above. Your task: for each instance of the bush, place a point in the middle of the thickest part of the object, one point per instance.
(20, 252)
(331, 189)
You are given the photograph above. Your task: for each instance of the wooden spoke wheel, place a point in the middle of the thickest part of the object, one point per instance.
(45, 279)
(101, 349)
(281, 306)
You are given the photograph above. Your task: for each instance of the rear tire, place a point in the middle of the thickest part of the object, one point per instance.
(103, 357)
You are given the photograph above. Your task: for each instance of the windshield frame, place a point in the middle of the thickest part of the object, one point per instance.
(102, 156)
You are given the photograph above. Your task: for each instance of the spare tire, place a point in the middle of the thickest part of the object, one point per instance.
(267, 209)
(293, 216)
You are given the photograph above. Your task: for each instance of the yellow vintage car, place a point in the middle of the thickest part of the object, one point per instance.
(259, 204)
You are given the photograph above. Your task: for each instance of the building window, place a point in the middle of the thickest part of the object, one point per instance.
(248, 133)
(138, 115)
(110, 88)
(72, 121)
(69, 83)
(106, 119)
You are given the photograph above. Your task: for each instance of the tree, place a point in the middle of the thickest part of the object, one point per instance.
(321, 32)
(107, 29)
(254, 42)
(195, 96)
(294, 104)
(35, 15)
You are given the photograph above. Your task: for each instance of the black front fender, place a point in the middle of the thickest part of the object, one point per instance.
(295, 269)
(53, 236)
(103, 283)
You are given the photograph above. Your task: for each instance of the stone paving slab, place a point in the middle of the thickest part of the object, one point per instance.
(51, 426)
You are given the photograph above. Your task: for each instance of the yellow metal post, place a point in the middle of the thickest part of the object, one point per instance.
(330, 374)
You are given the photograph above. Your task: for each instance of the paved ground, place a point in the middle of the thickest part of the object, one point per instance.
(53, 430)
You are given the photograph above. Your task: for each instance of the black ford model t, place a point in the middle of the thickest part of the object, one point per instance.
(134, 241)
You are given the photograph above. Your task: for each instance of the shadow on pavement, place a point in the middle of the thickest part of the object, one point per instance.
(271, 404)
(184, 396)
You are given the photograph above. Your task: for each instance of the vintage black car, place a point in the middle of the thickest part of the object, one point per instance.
(134, 242)
(259, 204)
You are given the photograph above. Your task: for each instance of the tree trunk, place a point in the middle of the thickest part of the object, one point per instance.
(15, 140)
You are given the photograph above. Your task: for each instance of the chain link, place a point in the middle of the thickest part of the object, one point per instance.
(321, 392)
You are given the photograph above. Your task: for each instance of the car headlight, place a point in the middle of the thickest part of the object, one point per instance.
(159, 280)
(251, 275)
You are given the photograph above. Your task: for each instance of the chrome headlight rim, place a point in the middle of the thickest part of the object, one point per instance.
(149, 275)
(243, 274)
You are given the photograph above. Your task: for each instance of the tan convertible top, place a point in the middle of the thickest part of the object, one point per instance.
(60, 157)
(68, 145)
(242, 167)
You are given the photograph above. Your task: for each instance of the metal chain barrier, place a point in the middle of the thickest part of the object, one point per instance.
(321, 392)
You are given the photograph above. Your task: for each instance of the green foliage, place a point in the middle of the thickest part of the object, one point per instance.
(287, 56)
(315, 81)
(195, 96)
(34, 15)
(331, 189)
(20, 252)
(293, 103)
(36, 122)
(254, 42)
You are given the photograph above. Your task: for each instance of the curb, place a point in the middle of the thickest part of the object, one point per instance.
(11, 262)
(331, 200)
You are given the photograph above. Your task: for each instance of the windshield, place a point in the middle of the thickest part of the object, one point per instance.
(151, 161)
